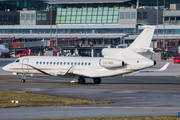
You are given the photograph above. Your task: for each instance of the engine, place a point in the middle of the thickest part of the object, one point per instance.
(111, 63)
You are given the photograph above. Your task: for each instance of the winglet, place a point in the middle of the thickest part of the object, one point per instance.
(161, 69)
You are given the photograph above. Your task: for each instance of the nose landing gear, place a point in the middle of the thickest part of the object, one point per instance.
(23, 78)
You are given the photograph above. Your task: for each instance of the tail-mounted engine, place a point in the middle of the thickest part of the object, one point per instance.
(111, 63)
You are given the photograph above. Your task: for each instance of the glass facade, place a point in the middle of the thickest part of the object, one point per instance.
(89, 13)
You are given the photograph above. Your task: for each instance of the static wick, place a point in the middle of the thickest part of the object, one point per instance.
(15, 102)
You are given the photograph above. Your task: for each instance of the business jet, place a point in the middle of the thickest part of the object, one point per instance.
(116, 61)
(3, 49)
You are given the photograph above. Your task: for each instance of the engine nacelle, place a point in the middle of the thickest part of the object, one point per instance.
(111, 63)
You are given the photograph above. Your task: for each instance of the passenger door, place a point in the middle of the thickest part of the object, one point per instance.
(25, 65)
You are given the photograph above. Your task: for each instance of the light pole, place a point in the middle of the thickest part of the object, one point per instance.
(157, 21)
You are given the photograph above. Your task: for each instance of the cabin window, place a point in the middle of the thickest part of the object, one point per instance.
(61, 63)
(79, 63)
(54, 63)
(68, 63)
(75, 63)
(89, 63)
(82, 63)
(71, 63)
(36, 62)
(85, 63)
(44, 63)
(47, 63)
(64, 63)
(40, 63)
(50, 63)
(57, 63)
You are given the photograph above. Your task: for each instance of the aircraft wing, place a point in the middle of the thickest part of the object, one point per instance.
(161, 69)
(69, 71)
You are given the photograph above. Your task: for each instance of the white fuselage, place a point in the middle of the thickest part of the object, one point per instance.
(83, 66)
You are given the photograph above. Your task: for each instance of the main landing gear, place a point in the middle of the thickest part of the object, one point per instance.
(97, 80)
(23, 78)
(81, 80)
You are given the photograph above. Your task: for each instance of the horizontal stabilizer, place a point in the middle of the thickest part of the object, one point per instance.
(162, 69)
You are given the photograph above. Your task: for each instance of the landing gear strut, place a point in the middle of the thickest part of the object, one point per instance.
(97, 80)
(23, 78)
(81, 80)
(23, 81)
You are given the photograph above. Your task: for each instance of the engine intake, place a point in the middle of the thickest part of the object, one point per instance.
(111, 63)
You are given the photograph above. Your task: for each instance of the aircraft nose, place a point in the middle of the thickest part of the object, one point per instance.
(7, 50)
(5, 68)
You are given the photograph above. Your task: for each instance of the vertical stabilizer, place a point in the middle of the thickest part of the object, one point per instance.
(144, 39)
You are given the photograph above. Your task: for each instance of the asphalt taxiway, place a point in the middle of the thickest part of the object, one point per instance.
(135, 95)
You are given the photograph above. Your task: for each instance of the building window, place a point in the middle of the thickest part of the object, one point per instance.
(172, 19)
(27, 16)
(166, 19)
(121, 15)
(178, 19)
(32, 16)
(144, 15)
(43, 16)
(127, 15)
(38, 16)
(22, 16)
(133, 15)
(139, 15)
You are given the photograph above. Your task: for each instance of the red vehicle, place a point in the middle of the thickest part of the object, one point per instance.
(25, 53)
(176, 59)
(5, 55)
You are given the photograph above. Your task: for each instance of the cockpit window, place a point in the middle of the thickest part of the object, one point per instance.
(17, 60)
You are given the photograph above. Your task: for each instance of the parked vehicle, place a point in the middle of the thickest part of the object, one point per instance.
(177, 60)
(25, 53)
(5, 55)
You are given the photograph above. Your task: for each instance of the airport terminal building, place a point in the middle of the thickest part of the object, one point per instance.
(86, 25)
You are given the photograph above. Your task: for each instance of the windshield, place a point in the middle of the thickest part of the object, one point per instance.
(17, 60)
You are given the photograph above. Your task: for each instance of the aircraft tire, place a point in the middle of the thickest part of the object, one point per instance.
(23, 81)
(97, 80)
(81, 80)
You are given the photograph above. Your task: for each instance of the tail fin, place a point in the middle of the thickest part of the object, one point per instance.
(144, 39)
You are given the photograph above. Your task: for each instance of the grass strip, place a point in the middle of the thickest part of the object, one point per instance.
(33, 100)
(122, 118)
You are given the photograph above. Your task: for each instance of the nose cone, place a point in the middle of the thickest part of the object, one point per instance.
(5, 68)
(7, 50)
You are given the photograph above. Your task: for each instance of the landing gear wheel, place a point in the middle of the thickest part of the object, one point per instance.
(23, 81)
(81, 80)
(97, 80)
